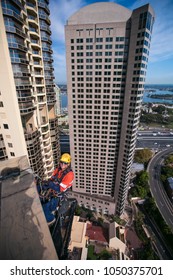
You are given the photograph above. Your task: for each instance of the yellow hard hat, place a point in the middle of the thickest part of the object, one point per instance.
(65, 158)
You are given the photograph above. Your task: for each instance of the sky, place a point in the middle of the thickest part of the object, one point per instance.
(160, 65)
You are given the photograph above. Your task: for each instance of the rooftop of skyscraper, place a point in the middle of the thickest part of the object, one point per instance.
(99, 12)
(23, 228)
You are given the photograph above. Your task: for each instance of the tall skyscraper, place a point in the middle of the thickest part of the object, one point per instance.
(29, 124)
(107, 49)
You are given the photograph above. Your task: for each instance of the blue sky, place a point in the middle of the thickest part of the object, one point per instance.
(160, 65)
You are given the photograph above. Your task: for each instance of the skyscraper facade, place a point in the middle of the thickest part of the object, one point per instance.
(107, 49)
(29, 124)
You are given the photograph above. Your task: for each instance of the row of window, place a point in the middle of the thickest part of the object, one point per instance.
(100, 47)
(97, 60)
(80, 54)
(99, 66)
(100, 40)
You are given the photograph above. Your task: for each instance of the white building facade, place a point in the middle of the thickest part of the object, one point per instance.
(29, 124)
(107, 49)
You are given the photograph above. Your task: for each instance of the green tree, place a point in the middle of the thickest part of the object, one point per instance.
(150, 205)
(142, 178)
(142, 192)
(160, 109)
(105, 255)
(78, 210)
(167, 171)
(143, 156)
(169, 159)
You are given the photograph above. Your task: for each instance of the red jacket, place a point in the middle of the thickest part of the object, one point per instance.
(66, 181)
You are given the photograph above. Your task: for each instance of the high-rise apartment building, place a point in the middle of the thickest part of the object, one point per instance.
(29, 124)
(107, 49)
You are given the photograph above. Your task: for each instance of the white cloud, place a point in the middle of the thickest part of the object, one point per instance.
(60, 12)
(162, 37)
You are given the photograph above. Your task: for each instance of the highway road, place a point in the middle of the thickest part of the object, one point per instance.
(154, 139)
(163, 202)
(145, 139)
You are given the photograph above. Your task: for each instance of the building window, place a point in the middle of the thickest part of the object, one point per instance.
(109, 39)
(5, 126)
(108, 47)
(10, 145)
(89, 40)
(99, 40)
(119, 39)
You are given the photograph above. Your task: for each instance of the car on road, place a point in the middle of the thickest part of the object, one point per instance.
(168, 145)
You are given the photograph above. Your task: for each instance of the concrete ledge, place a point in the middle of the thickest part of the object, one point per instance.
(23, 228)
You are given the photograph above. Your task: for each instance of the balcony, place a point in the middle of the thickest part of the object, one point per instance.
(36, 54)
(22, 86)
(35, 42)
(39, 93)
(46, 39)
(46, 144)
(48, 157)
(23, 73)
(38, 84)
(37, 62)
(33, 20)
(11, 13)
(49, 83)
(44, 6)
(15, 30)
(37, 73)
(31, 135)
(25, 98)
(31, 7)
(51, 101)
(44, 17)
(34, 32)
(46, 28)
(41, 104)
(17, 46)
(45, 130)
(49, 164)
(48, 150)
(46, 67)
(18, 3)
(19, 60)
(26, 108)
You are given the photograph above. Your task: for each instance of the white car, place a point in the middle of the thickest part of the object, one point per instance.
(168, 145)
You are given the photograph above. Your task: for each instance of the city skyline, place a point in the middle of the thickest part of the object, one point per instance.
(161, 55)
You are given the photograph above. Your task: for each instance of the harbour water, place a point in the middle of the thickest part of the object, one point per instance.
(64, 100)
(149, 89)
(158, 90)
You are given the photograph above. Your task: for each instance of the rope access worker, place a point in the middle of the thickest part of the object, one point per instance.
(61, 180)
(62, 177)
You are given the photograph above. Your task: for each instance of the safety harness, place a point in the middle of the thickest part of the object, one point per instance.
(65, 172)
